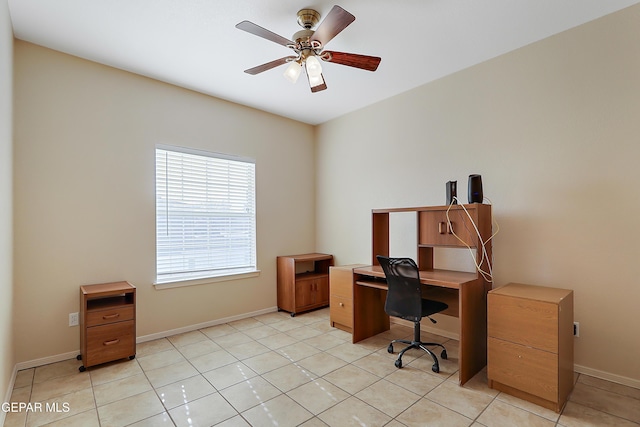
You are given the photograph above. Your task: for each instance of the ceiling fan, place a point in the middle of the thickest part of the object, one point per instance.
(308, 46)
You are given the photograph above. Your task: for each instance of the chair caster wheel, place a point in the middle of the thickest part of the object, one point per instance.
(390, 349)
(443, 355)
(82, 369)
(435, 368)
(398, 363)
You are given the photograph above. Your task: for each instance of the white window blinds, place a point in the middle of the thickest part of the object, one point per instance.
(205, 215)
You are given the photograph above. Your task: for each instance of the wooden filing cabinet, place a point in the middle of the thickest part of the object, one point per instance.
(341, 298)
(107, 323)
(303, 282)
(530, 343)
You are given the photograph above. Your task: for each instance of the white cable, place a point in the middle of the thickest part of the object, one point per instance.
(484, 274)
(488, 276)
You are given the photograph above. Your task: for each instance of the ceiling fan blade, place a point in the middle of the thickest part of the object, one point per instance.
(269, 65)
(337, 20)
(365, 62)
(257, 30)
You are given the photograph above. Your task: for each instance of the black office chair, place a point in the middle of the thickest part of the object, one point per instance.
(404, 300)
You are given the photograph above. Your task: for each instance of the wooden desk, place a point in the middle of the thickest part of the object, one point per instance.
(463, 292)
(456, 226)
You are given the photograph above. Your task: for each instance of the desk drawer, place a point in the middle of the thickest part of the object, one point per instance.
(341, 281)
(524, 368)
(341, 311)
(111, 315)
(508, 317)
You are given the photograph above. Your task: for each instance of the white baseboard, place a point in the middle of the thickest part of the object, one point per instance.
(607, 376)
(164, 334)
(46, 360)
(7, 398)
(72, 354)
(618, 379)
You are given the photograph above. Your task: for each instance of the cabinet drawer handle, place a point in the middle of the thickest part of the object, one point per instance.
(442, 227)
(112, 342)
(445, 227)
(110, 316)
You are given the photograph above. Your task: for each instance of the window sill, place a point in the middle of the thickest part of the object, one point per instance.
(205, 280)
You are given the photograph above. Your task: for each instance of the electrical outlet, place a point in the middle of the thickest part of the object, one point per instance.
(576, 329)
(73, 319)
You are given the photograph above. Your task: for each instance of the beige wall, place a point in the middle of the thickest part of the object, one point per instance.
(553, 128)
(85, 136)
(6, 242)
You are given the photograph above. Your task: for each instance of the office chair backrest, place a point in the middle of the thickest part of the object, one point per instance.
(404, 297)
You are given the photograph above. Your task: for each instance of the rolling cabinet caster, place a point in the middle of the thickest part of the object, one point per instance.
(132, 357)
(79, 357)
(82, 368)
(293, 315)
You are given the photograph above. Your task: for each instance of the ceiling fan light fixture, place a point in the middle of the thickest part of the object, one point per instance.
(314, 69)
(316, 80)
(293, 71)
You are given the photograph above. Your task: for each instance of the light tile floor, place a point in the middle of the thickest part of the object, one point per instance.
(275, 370)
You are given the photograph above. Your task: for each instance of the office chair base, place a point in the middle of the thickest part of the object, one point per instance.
(418, 345)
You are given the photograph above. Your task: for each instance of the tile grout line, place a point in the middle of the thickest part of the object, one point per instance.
(320, 348)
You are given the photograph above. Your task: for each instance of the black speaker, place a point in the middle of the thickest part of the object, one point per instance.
(452, 192)
(475, 189)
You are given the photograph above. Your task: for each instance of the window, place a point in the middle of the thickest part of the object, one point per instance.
(205, 215)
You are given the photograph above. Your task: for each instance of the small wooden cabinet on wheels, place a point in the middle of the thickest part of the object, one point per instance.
(303, 282)
(107, 323)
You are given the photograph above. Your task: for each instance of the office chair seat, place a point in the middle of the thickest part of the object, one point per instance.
(404, 300)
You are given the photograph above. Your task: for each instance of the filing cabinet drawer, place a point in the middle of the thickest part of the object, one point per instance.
(506, 321)
(115, 314)
(341, 311)
(110, 342)
(524, 368)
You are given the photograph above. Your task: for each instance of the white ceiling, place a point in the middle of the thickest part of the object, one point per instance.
(194, 43)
